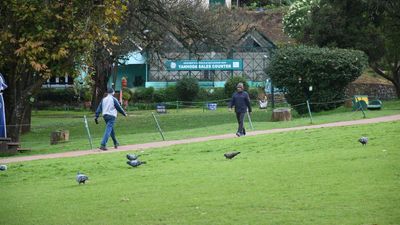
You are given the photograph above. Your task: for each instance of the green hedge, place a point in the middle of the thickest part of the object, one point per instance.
(187, 88)
(328, 71)
(230, 85)
(57, 96)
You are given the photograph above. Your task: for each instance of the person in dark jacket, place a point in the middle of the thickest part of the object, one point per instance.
(241, 101)
(109, 107)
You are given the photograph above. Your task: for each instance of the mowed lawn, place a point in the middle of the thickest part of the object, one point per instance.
(140, 126)
(319, 176)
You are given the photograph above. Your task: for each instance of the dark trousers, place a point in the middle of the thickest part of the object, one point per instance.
(240, 118)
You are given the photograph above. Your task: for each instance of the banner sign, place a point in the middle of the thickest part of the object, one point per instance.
(228, 64)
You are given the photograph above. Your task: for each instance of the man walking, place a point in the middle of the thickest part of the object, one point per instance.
(241, 101)
(109, 107)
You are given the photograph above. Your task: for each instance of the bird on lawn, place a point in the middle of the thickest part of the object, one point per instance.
(135, 163)
(363, 140)
(81, 178)
(131, 157)
(3, 167)
(231, 155)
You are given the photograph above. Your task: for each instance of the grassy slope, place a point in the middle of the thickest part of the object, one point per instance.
(140, 127)
(304, 177)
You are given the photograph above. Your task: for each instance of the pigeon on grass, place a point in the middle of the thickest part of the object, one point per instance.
(3, 167)
(363, 140)
(135, 163)
(231, 155)
(81, 178)
(131, 157)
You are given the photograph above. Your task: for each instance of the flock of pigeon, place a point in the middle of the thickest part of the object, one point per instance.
(132, 161)
(135, 162)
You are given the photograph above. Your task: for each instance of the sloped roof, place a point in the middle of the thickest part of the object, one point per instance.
(254, 35)
(269, 23)
(266, 31)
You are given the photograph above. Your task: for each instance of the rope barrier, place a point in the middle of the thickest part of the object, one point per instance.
(323, 103)
(195, 104)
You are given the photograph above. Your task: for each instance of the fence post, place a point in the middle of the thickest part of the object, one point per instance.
(251, 124)
(88, 132)
(158, 126)
(309, 111)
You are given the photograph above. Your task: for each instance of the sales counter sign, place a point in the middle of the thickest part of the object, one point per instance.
(229, 64)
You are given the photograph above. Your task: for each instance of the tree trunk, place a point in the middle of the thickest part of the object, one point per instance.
(26, 127)
(18, 109)
(396, 83)
(394, 77)
(102, 73)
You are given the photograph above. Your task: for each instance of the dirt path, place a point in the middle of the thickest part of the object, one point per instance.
(194, 140)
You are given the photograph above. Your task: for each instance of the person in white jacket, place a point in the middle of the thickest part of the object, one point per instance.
(109, 108)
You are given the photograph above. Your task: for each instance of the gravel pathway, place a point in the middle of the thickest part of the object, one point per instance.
(160, 144)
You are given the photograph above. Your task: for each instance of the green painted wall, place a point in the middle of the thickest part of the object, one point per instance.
(135, 74)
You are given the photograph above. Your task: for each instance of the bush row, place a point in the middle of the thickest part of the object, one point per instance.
(188, 90)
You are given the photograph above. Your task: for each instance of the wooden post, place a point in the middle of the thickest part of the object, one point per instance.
(281, 114)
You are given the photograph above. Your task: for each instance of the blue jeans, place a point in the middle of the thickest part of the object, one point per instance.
(110, 121)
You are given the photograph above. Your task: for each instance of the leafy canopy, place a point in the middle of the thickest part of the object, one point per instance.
(327, 70)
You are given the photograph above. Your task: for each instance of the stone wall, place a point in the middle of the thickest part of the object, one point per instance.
(373, 90)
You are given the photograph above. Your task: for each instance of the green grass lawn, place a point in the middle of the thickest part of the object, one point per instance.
(140, 126)
(318, 176)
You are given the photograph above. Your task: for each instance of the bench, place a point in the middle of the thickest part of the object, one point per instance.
(374, 104)
(362, 102)
(8, 148)
(24, 149)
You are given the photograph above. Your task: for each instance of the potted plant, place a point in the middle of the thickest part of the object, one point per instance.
(124, 82)
(87, 98)
(126, 96)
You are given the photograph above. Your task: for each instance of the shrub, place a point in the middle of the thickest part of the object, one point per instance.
(187, 89)
(328, 71)
(86, 95)
(204, 94)
(165, 94)
(143, 94)
(58, 96)
(126, 94)
(253, 93)
(230, 85)
(219, 94)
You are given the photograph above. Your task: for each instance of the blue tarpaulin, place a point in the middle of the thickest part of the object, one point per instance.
(3, 130)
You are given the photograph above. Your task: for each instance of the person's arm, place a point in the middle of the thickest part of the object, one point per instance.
(99, 109)
(231, 102)
(247, 100)
(118, 107)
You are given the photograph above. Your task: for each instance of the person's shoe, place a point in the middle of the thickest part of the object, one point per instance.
(244, 131)
(116, 145)
(238, 134)
(103, 148)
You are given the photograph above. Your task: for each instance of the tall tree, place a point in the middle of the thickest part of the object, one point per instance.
(146, 24)
(369, 25)
(40, 39)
